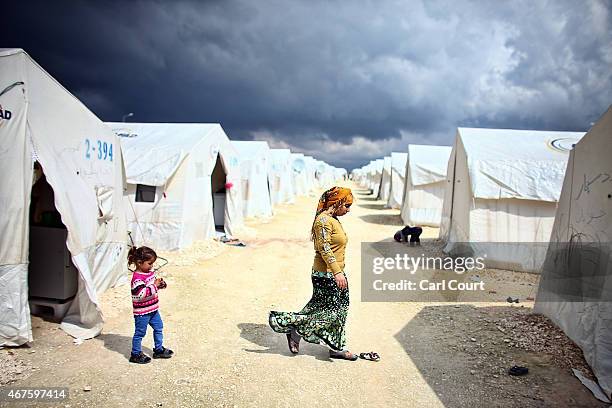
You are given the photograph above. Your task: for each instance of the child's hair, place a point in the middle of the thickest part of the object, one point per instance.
(140, 254)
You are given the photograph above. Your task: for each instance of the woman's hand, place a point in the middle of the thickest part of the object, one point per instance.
(341, 280)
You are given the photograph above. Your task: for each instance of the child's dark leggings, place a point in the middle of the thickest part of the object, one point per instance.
(414, 232)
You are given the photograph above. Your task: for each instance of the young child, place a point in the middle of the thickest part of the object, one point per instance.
(145, 302)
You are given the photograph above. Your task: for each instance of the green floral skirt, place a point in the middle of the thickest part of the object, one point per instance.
(324, 316)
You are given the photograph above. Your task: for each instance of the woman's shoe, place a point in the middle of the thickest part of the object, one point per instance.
(371, 356)
(343, 355)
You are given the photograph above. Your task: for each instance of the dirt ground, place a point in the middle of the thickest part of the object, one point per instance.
(215, 319)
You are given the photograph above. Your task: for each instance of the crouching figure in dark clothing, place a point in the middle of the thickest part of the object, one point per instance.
(413, 232)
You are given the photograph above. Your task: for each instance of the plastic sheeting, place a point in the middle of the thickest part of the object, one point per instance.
(376, 176)
(493, 195)
(255, 167)
(311, 181)
(360, 176)
(398, 174)
(575, 290)
(299, 173)
(326, 174)
(522, 164)
(178, 159)
(425, 184)
(81, 159)
(385, 180)
(340, 174)
(281, 177)
(427, 164)
(15, 326)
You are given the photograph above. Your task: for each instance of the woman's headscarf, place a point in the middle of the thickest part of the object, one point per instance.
(335, 196)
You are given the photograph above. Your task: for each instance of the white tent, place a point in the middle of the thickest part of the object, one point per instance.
(575, 290)
(398, 174)
(281, 177)
(369, 176)
(425, 174)
(376, 176)
(340, 174)
(385, 180)
(183, 181)
(300, 174)
(324, 174)
(318, 172)
(81, 254)
(361, 176)
(255, 166)
(503, 186)
(311, 173)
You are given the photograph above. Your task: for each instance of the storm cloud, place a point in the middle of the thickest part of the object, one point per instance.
(344, 81)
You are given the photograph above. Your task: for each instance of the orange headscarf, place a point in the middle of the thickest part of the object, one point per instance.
(333, 196)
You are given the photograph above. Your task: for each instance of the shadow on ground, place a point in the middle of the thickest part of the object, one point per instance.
(366, 198)
(383, 219)
(121, 344)
(464, 357)
(276, 343)
(372, 206)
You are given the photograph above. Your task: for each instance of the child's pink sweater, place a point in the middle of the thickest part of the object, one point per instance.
(144, 293)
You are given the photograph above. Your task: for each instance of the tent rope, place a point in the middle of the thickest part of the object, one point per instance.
(137, 224)
(8, 88)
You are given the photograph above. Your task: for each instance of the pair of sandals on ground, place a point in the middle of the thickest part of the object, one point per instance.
(293, 340)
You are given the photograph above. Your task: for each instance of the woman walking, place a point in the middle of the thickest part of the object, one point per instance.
(324, 316)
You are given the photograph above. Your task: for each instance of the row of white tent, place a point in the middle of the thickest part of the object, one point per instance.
(169, 184)
(492, 186)
(187, 181)
(520, 186)
(413, 182)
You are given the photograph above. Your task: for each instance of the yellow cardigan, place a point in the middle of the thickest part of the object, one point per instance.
(329, 243)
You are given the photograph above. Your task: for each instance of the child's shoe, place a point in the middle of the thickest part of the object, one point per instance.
(141, 358)
(163, 353)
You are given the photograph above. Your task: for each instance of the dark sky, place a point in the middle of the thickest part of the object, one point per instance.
(345, 81)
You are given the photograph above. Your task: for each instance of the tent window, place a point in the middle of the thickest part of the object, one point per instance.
(145, 194)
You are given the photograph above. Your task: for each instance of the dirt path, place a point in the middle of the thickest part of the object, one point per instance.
(215, 316)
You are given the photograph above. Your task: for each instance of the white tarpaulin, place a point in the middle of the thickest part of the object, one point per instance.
(427, 164)
(311, 173)
(281, 177)
(255, 166)
(385, 180)
(340, 174)
(575, 290)
(324, 174)
(183, 179)
(425, 184)
(502, 186)
(528, 164)
(360, 176)
(299, 174)
(376, 176)
(398, 174)
(81, 160)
